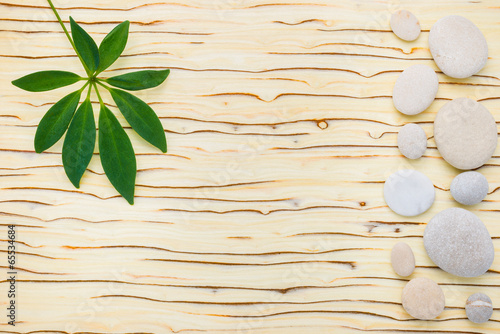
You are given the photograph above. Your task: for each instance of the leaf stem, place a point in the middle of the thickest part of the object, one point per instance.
(98, 95)
(69, 37)
(90, 90)
(100, 83)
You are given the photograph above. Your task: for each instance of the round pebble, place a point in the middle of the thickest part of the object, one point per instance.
(469, 188)
(402, 259)
(412, 141)
(458, 46)
(479, 308)
(405, 25)
(423, 298)
(458, 242)
(465, 133)
(409, 192)
(415, 89)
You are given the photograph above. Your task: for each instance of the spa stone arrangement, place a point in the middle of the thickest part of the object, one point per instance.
(455, 239)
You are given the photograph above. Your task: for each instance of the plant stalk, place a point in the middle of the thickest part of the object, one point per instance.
(69, 37)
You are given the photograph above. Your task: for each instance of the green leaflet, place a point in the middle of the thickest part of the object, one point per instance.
(117, 154)
(79, 143)
(85, 46)
(139, 80)
(113, 45)
(46, 80)
(141, 117)
(56, 121)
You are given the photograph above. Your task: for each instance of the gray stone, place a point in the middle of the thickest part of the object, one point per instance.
(469, 188)
(423, 299)
(458, 242)
(415, 89)
(479, 308)
(465, 133)
(405, 25)
(458, 46)
(409, 192)
(402, 259)
(412, 141)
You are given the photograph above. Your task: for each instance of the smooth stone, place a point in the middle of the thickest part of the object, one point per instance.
(409, 192)
(465, 133)
(479, 308)
(458, 46)
(415, 89)
(458, 242)
(423, 298)
(469, 188)
(412, 141)
(405, 25)
(402, 259)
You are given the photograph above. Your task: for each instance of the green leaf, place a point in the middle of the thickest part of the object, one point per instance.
(79, 143)
(46, 80)
(117, 154)
(85, 46)
(56, 121)
(113, 45)
(141, 117)
(139, 80)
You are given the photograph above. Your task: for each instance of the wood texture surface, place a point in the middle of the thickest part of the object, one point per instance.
(266, 215)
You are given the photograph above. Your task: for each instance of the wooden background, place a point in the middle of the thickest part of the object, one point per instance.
(266, 215)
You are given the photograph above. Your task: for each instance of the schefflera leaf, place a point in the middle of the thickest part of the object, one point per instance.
(85, 45)
(117, 154)
(79, 143)
(46, 80)
(56, 121)
(141, 117)
(139, 80)
(113, 45)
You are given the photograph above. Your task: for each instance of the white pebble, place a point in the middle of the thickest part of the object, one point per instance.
(423, 298)
(458, 242)
(409, 192)
(469, 188)
(405, 25)
(458, 46)
(415, 89)
(479, 308)
(412, 141)
(465, 133)
(402, 259)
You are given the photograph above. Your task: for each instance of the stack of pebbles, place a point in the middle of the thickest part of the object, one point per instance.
(465, 132)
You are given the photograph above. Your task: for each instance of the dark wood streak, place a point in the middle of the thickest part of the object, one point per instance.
(138, 196)
(265, 254)
(351, 264)
(34, 272)
(343, 54)
(37, 255)
(297, 94)
(368, 301)
(210, 288)
(315, 234)
(315, 207)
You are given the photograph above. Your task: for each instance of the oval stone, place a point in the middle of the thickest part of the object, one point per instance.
(415, 89)
(423, 298)
(479, 308)
(409, 192)
(405, 25)
(469, 188)
(412, 141)
(465, 133)
(402, 259)
(458, 242)
(458, 46)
